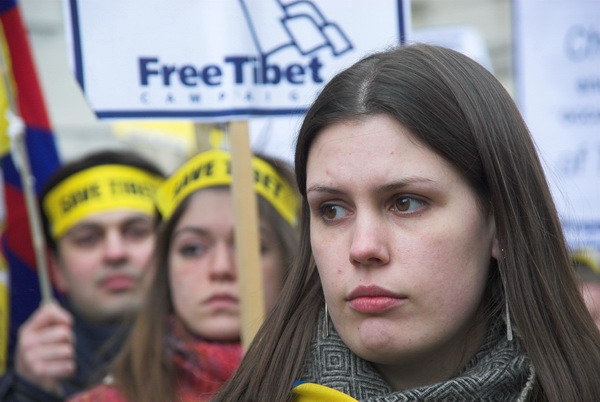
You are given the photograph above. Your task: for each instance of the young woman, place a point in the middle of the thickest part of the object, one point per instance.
(185, 343)
(432, 263)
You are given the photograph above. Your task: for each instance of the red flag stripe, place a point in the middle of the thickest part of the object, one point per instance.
(29, 101)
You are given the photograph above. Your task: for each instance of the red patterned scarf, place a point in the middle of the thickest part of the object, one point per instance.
(201, 367)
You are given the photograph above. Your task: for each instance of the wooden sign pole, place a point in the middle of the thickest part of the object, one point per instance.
(202, 136)
(247, 234)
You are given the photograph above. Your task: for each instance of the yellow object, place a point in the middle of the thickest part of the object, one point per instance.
(99, 189)
(213, 168)
(178, 131)
(7, 87)
(4, 103)
(588, 257)
(6, 90)
(309, 392)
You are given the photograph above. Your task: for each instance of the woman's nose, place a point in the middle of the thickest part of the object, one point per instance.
(369, 245)
(223, 266)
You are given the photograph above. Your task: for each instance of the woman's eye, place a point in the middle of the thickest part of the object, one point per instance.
(407, 204)
(331, 212)
(191, 250)
(264, 248)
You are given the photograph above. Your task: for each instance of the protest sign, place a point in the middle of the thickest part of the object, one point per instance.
(220, 59)
(558, 86)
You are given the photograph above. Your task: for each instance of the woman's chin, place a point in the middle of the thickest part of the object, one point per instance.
(220, 331)
(372, 342)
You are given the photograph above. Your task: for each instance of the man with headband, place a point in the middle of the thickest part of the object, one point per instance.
(99, 219)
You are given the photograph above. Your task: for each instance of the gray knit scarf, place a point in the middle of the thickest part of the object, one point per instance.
(499, 371)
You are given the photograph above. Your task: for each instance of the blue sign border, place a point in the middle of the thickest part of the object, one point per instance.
(259, 112)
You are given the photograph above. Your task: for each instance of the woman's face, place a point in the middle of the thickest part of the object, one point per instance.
(202, 269)
(401, 243)
(591, 296)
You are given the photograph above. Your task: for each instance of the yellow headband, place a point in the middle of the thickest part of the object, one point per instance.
(588, 257)
(213, 168)
(99, 189)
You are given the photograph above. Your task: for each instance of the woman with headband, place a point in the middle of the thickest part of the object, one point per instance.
(185, 343)
(432, 263)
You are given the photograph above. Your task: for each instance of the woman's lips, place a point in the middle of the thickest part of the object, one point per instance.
(374, 304)
(373, 299)
(222, 301)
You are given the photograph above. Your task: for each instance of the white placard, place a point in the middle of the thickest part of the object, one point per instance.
(220, 59)
(557, 57)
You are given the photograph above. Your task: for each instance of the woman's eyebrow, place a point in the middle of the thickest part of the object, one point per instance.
(195, 230)
(323, 189)
(399, 184)
(385, 188)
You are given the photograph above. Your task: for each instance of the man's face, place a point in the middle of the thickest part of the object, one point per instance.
(101, 264)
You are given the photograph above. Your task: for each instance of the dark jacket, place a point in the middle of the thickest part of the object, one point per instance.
(95, 348)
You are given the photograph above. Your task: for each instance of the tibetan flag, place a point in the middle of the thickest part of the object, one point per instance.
(20, 90)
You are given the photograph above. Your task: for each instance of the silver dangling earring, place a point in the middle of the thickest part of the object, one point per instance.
(509, 331)
(326, 321)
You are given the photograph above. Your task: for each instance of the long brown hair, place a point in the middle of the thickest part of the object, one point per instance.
(142, 371)
(460, 111)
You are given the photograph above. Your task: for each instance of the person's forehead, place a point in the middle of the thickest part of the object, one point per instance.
(117, 217)
(377, 148)
(211, 209)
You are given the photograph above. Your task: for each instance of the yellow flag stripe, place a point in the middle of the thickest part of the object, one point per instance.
(5, 82)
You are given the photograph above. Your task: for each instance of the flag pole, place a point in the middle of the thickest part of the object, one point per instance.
(16, 133)
(35, 223)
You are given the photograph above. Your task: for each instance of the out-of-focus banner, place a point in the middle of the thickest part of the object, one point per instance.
(465, 39)
(221, 59)
(557, 58)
